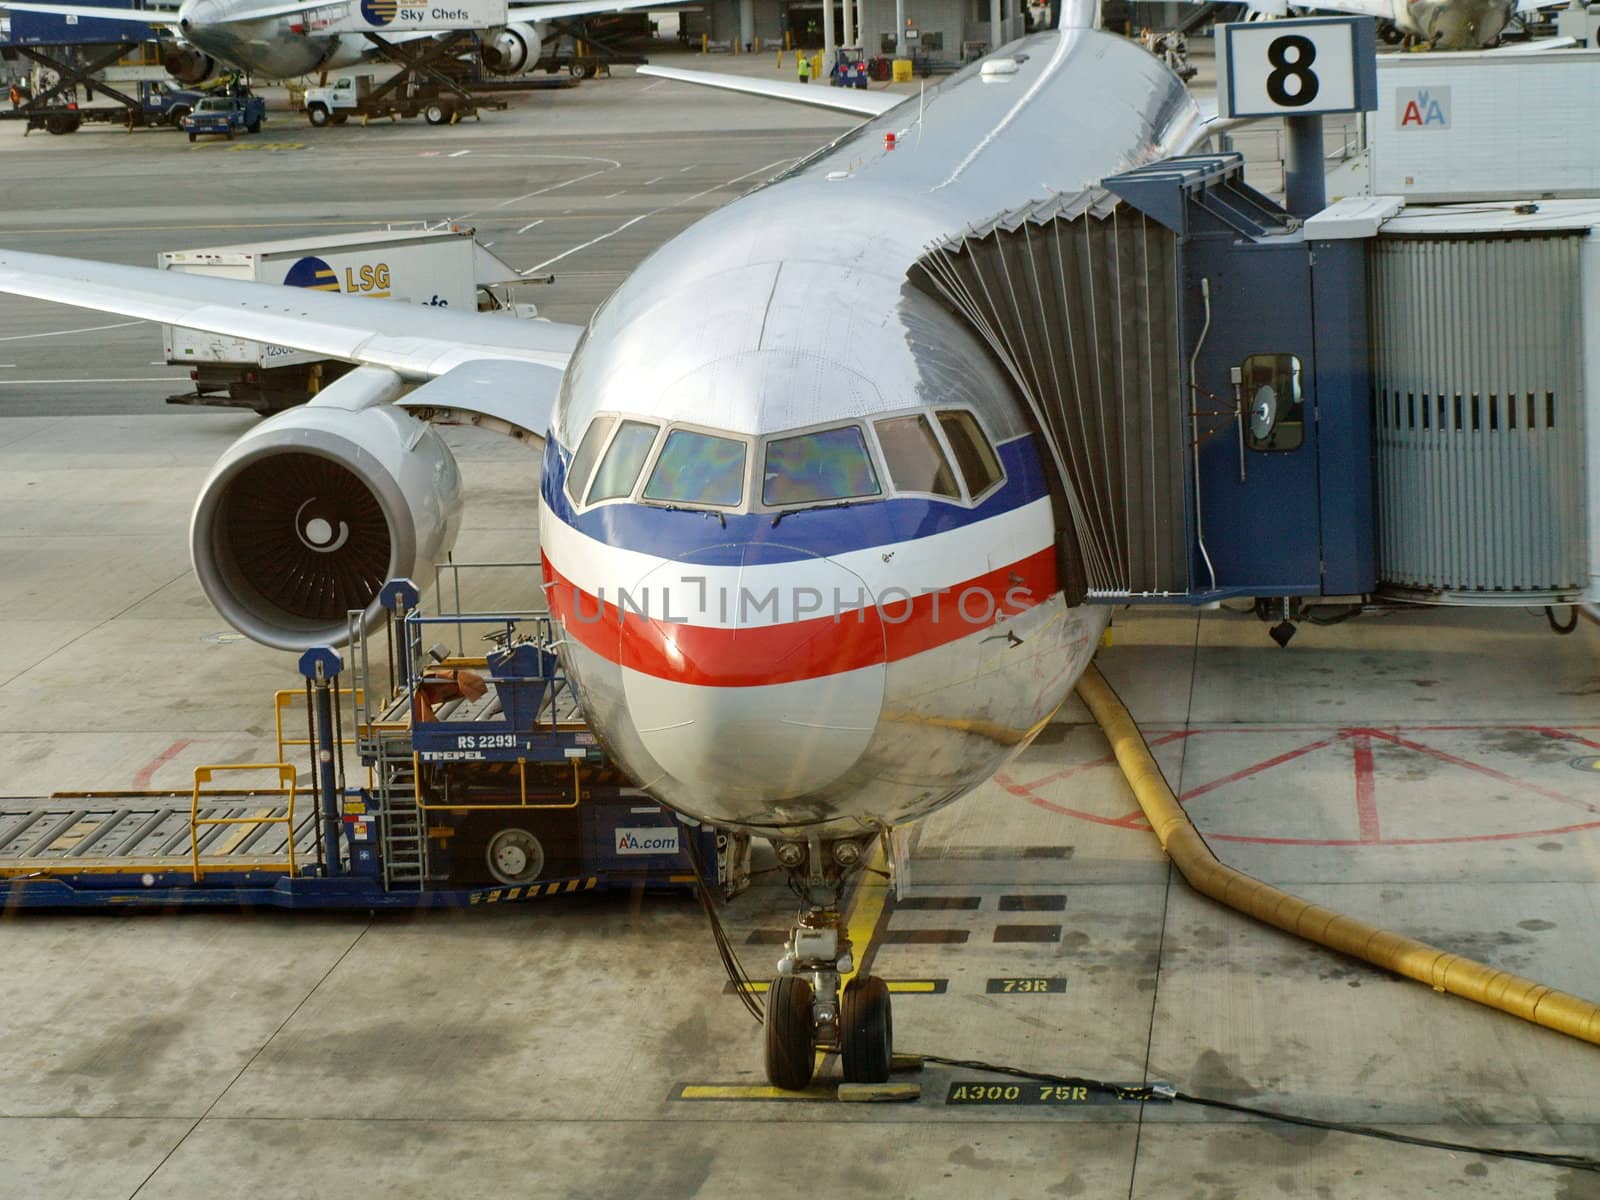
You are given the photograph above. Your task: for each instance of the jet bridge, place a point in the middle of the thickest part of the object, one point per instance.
(1241, 404)
(1162, 328)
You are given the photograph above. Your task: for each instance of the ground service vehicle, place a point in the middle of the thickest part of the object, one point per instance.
(356, 95)
(225, 116)
(441, 268)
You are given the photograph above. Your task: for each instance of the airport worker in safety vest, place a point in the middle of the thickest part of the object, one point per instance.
(804, 67)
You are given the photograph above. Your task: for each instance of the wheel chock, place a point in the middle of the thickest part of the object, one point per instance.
(879, 1093)
(901, 1063)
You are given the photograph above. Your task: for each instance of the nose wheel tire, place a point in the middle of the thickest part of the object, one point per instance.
(515, 856)
(867, 1030)
(789, 1031)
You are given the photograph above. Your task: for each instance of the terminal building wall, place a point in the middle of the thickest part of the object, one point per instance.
(942, 25)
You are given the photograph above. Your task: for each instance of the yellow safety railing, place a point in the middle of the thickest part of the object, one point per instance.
(1439, 969)
(285, 700)
(522, 781)
(285, 788)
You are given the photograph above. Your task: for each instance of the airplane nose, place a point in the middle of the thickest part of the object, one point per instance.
(759, 683)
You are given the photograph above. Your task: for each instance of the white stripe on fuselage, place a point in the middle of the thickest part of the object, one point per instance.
(720, 596)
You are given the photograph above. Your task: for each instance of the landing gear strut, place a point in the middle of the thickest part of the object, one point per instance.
(807, 1010)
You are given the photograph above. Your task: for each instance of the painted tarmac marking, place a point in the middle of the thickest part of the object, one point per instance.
(657, 179)
(458, 153)
(146, 773)
(1360, 739)
(975, 1092)
(1033, 903)
(22, 337)
(752, 1091)
(614, 195)
(938, 903)
(632, 221)
(556, 187)
(530, 225)
(897, 987)
(1027, 933)
(1027, 985)
(926, 937)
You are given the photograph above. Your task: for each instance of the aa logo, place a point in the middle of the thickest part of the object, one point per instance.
(655, 839)
(313, 273)
(1422, 108)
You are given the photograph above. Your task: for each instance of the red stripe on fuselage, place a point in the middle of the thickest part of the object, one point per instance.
(720, 656)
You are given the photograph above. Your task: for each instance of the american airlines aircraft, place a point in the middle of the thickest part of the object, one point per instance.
(793, 516)
(285, 40)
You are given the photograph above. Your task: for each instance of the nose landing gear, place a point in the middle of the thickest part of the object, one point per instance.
(807, 1010)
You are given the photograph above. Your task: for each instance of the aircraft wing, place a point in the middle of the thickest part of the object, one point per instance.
(133, 16)
(581, 8)
(417, 342)
(850, 100)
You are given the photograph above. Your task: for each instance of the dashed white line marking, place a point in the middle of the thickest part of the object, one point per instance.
(19, 337)
(458, 153)
(554, 187)
(663, 208)
(690, 167)
(8, 364)
(614, 195)
(652, 87)
(657, 179)
(530, 225)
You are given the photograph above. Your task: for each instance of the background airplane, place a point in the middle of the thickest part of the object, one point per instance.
(764, 415)
(287, 40)
(1442, 24)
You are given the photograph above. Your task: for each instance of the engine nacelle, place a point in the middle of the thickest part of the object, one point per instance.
(310, 513)
(188, 65)
(512, 49)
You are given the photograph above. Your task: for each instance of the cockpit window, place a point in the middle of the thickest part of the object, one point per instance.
(696, 468)
(831, 464)
(914, 457)
(588, 450)
(974, 456)
(620, 468)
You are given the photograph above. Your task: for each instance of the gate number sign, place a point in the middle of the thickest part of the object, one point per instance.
(1298, 68)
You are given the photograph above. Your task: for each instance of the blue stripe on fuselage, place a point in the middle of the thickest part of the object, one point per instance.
(699, 537)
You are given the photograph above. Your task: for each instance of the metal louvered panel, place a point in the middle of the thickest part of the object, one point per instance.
(1077, 298)
(1479, 415)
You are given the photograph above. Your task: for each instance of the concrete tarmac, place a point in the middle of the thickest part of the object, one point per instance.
(1428, 771)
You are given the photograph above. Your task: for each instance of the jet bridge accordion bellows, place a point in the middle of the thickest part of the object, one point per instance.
(1076, 297)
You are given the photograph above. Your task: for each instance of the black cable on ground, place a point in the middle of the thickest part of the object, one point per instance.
(1576, 1162)
(1550, 616)
(743, 986)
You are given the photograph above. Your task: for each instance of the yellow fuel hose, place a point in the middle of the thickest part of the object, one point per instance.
(1440, 970)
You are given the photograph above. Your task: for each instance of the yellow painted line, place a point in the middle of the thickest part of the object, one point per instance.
(866, 908)
(922, 987)
(749, 1091)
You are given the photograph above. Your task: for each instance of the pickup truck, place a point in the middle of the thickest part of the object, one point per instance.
(226, 115)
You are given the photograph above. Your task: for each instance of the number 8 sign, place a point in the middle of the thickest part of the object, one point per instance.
(1297, 68)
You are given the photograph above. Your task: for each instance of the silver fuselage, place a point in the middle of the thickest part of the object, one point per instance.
(273, 48)
(790, 309)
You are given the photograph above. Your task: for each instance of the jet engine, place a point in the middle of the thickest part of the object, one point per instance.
(188, 65)
(512, 49)
(310, 513)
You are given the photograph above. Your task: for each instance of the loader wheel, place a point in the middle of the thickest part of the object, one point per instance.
(436, 114)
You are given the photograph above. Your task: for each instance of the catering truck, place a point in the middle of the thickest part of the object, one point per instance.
(442, 268)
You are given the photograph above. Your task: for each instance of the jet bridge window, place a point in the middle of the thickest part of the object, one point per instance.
(976, 458)
(625, 458)
(1274, 405)
(814, 468)
(914, 457)
(588, 451)
(698, 469)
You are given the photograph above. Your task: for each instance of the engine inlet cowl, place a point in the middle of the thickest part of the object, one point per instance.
(307, 516)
